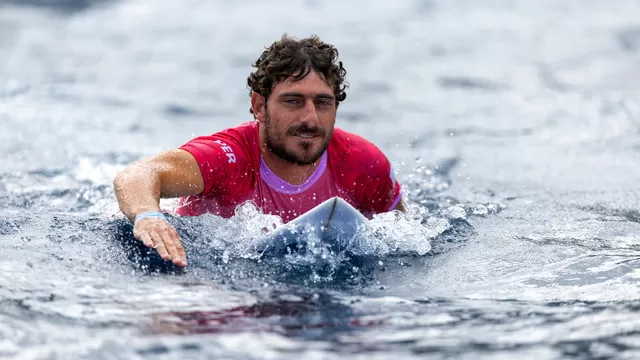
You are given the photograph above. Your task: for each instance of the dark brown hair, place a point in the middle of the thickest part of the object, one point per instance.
(290, 57)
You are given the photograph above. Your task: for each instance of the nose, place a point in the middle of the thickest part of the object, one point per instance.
(309, 114)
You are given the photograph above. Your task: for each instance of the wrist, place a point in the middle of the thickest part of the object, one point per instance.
(149, 215)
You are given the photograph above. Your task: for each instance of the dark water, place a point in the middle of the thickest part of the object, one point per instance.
(513, 125)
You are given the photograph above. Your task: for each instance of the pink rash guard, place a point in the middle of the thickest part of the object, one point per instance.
(234, 172)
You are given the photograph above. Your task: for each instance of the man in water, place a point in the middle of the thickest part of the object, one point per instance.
(287, 161)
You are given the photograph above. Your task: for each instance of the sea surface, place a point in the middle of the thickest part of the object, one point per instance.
(514, 127)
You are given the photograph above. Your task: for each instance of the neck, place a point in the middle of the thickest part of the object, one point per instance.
(291, 173)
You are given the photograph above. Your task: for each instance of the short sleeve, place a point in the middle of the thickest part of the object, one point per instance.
(378, 190)
(225, 161)
(365, 172)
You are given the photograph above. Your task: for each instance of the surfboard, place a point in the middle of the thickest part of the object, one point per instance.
(333, 222)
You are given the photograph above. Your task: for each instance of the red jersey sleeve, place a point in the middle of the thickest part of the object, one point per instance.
(377, 189)
(226, 163)
(366, 173)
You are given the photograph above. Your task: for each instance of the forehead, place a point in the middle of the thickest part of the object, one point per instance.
(312, 83)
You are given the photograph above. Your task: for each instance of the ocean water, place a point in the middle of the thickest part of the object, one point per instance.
(513, 126)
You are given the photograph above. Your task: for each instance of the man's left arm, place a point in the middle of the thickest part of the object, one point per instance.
(376, 187)
(385, 192)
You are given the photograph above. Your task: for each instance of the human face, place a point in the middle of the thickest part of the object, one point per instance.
(299, 119)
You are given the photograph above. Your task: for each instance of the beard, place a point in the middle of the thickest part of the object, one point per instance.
(305, 154)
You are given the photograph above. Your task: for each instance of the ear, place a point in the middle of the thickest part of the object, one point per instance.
(259, 106)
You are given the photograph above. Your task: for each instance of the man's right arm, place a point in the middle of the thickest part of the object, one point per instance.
(139, 188)
(170, 174)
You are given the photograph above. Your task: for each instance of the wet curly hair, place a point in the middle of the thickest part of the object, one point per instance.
(290, 57)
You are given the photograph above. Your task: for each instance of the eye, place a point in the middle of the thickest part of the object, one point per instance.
(292, 101)
(324, 102)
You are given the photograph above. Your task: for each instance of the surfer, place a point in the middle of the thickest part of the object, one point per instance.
(289, 159)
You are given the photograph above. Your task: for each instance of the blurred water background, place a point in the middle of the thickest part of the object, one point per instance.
(514, 126)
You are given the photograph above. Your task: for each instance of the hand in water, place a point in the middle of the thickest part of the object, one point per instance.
(158, 234)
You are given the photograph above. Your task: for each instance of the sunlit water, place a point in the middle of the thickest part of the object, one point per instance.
(513, 126)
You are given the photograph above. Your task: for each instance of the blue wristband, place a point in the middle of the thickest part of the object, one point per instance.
(150, 214)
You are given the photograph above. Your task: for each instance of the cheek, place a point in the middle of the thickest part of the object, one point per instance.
(281, 122)
(328, 119)
(277, 127)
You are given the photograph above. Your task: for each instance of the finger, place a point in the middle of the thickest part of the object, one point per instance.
(160, 246)
(181, 259)
(146, 239)
(143, 236)
(170, 245)
(181, 253)
(171, 240)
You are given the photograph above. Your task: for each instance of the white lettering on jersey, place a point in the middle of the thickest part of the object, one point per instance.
(228, 151)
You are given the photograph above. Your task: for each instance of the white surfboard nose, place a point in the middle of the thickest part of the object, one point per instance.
(334, 222)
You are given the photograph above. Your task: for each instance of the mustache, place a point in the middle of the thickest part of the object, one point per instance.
(305, 130)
